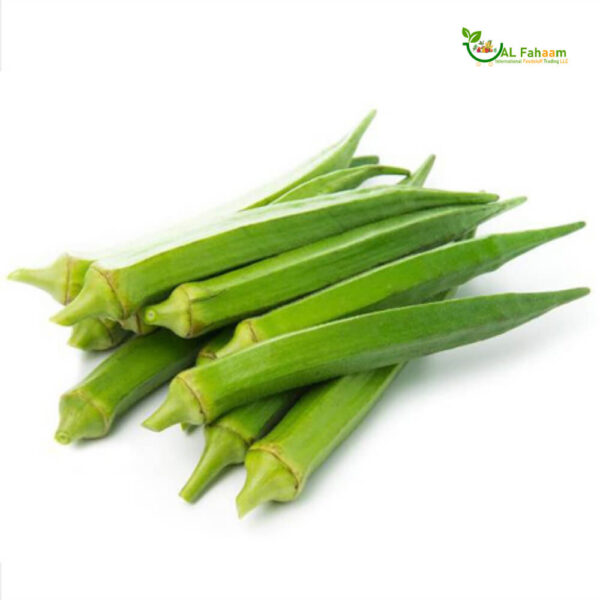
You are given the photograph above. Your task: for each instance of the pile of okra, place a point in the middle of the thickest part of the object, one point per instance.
(279, 324)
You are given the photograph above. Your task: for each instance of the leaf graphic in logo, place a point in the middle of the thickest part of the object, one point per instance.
(466, 32)
(475, 36)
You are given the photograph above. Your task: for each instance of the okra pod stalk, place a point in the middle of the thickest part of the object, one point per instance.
(194, 308)
(136, 324)
(63, 280)
(339, 181)
(116, 287)
(360, 161)
(278, 465)
(361, 343)
(228, 439)
(95, 334)
(129, 374)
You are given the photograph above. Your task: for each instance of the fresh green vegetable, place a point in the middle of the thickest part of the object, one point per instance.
(118, 286)
(333, 158)
(129, 374)
(63, 280)
(194, 308)
(407, 281)
(229, 437)
(365, 342)
(279, 464)
(361, 161)
(65, 277)
(338, 181)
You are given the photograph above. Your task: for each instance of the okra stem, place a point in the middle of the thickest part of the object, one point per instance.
(129, 374)
(279, 464)
(97, 334)
(228, 439)
(201, 394)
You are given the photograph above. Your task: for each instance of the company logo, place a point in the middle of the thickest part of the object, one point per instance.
(486, 51)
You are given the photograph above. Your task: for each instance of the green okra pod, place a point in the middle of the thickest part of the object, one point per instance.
(129, 374)
(360, 343)
(228, 439)
(407, 281)
(360, 161)
(333, 158)
(196, 307)
(339, 181)
(279, 464)
(64, 278)
(116, 287)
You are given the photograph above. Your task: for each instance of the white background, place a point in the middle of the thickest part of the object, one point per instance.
(477, 475)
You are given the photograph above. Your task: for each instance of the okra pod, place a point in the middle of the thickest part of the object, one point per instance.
(64, 278)
(194, 308)
(360, 161)
(130, 373)
(228, 439)
(339, 181)
(365, 342)
(399, 283)
(278, 465)
(333, 158)
(116, 287)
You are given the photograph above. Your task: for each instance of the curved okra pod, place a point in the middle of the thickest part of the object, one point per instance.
(361, 343)
(194, 308)
(116, 287)
(339, 181)
(129, 374)
(229, 437)
(361, 161)
(279, 464)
